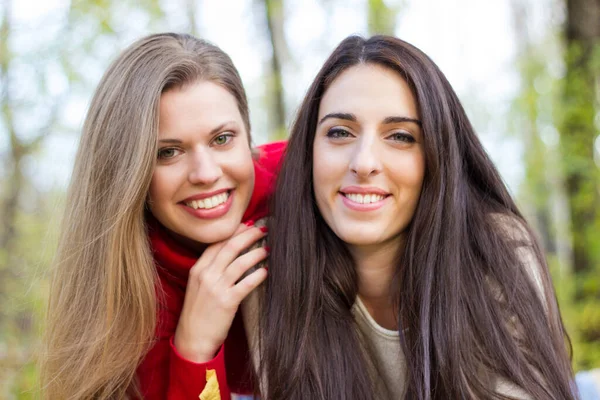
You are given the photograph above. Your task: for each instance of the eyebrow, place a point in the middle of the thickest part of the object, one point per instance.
(386, 121)
(346, 116)
(212, 132)
(395, 120)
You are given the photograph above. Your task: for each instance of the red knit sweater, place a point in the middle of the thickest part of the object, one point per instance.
(164, 373)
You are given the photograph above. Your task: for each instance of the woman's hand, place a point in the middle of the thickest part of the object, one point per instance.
(212, 296)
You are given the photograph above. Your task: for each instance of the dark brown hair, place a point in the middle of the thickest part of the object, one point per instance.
(472, 308)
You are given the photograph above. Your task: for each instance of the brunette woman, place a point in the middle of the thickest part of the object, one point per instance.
(163, 177)
(400, 266)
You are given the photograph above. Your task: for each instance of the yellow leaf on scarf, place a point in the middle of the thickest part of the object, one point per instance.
(211, 390)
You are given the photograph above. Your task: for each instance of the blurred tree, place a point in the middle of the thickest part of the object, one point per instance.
(546, 101)
(578, 131)
(22, 142)
(18, 147)
(274, 14)
(579, 123)
(562, 182)
(542, 191)
(35, 81)
(381, 18)
(192, 13)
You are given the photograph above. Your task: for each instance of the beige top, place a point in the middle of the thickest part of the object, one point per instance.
(383, 346)
(386, 352)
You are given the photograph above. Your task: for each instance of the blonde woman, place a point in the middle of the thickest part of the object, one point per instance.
(163, 177)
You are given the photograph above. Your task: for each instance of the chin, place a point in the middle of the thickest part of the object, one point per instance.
(213, 235)
(356, 237)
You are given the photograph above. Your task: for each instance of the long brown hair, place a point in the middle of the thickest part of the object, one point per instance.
(470, 308)
(102, 310)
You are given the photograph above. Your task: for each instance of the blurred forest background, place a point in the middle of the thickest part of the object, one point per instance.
(527, 71)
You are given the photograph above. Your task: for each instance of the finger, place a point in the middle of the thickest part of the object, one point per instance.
(248, 284)
(236, 270)
(208, 255)
(235, 246)
(244, 227)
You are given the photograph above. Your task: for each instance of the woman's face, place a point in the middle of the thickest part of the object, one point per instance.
(204, 174)
(368, 162)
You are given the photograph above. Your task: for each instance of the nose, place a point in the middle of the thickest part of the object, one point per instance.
(365, 159)
(205, 168)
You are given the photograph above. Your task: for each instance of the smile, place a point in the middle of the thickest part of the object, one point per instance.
(364, 198)
(208, 203)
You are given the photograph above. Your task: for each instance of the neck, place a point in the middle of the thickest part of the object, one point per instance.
(376, 265)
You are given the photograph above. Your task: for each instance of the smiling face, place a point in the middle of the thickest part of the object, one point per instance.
(204, 175)
(369, 161)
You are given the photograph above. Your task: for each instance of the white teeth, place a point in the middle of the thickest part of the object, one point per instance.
(364, 199)
(210, 202)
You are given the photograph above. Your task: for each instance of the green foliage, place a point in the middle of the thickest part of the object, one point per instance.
(382, 18)
(561, 166)
(586, 337)
(26, 286)
(582, 320)
(578, 132)
(25, 260)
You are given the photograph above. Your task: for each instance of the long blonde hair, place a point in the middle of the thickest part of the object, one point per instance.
(101, 315)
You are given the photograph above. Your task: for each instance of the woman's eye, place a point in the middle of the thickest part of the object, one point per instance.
(338, 133)
(167, 153)
(402, 137)
(223, 139)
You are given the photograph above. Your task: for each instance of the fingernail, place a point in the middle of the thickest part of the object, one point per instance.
(264, 229)
(268, 249)
(250, 222)
(266, 269)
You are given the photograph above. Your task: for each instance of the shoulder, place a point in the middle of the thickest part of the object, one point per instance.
(516, 232)
(269, 155)
(266, 166)
(511, 227)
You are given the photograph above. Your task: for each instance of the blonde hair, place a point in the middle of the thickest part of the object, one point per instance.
(101, 315)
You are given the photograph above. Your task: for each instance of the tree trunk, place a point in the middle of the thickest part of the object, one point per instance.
(15, 150)
(544, 185)
(275, 17)
(578, 132)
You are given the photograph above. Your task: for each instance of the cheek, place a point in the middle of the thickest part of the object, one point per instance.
(240, 167)
(158, 186)
(418, 168)
(321, 172)
(409, 172)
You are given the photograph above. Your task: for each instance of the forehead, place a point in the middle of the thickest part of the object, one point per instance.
(368, 89)
(196, 106)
